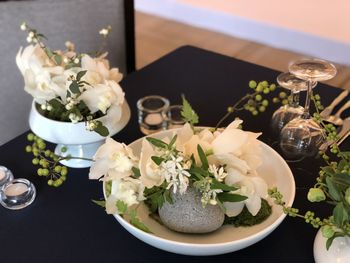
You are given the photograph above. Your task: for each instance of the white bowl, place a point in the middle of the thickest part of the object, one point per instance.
(78, 141)
(228, 238)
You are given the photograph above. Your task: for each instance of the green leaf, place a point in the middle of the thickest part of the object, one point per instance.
(122, 207)
(157, 143)
(330, 240)
(136, 172)
(101, 203)
(135, 221)
(57, 59)
(172, 142)
(217, 185)
(202, 157)
(167, 196)
(157, 160)
(81, 74)
(187, 113)
(108, 188)
(48, 52)
(199, 172)
(101, 129)
(226, 197)
(74, 87)
(333, 190)
(340, 215)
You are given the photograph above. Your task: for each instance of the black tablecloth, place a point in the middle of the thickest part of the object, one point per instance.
(63, 225)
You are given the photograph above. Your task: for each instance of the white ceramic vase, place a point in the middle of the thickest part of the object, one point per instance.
(339, 252)
(74, 137)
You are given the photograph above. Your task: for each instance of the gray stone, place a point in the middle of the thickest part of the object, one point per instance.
(187, 215)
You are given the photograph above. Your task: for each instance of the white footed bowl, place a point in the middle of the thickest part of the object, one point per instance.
(78, 141)
(228, 238)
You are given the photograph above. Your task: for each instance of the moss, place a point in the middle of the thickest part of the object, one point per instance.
(245, 218)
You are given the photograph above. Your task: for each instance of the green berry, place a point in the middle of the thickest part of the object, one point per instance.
(30, 137)
(264, 83)
(265, 103)
(64, 171)
(40, 171)
(230, 109)
(50, 182)
(58, 168)
(266, 90)
(47, 153)
(316, 195)
(272, 87)
(45, 172)
(282, 95)
(28, 148)
(35, 161)
(255, 112)
(258, 97)
(275, 100)
(252, 84)
(262, 108)
(41, 145)
(64, 149)
(285, 102)
(259, 88)
(317, 97)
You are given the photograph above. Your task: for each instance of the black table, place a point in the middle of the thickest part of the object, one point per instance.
(63, 225)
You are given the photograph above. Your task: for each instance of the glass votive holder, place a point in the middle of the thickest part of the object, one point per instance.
(17, 194)
(5, 175)
(173, 117)
(150, 117)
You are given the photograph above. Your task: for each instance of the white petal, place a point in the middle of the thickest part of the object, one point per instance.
(233, 208)
(253, 204)
(98, 169)
(229, 141)
(233, 176)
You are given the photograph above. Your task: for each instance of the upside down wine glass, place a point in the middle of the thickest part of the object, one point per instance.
(302, 136)
(292, 110)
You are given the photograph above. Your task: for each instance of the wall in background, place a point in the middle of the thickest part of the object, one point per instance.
(317, 28)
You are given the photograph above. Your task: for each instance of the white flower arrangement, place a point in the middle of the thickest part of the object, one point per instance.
(70, 86)
(220, 164)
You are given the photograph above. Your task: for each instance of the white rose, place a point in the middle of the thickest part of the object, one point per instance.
(102, 96)
(128, 190)
(99, 70)
(254, 188)
(150, 172)
(113, 160)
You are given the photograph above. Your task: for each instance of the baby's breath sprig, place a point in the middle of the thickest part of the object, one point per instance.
(253, 102)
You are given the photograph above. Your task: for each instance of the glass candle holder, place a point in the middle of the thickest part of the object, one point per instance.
(150, 113)
(17, 194)
(173, 117)
(5, 175)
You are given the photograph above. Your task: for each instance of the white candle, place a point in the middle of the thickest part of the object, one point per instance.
(16, 189)
(2, 174)
(154, 119)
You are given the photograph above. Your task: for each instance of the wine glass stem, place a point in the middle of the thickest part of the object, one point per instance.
(306, 114)
(294, 99)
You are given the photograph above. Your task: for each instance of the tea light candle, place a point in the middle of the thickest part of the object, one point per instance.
(154, 119)
(16, 189)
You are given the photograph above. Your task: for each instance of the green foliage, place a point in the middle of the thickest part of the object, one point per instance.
(157, 143)
(202, 157)
(101, 203)
(187, 113)
(229, 197)
(101, 129)
(156, 196)
(135, 221)
(136, 172)
(122, 207)
(245, 218)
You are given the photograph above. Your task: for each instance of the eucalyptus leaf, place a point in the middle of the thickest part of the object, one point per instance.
(101, 129)
(340, 215)
(136, 172)
(330, 240)
(57, 59)
(74, 87)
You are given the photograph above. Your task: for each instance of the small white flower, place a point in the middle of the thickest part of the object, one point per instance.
(29, 39)
(104, 32)
(43, 106)
(76, 60)
(69, 45)
(31, 34)
(68, 106)
(65, 60)
(24, 26)
(219, 173)
(49, 107)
